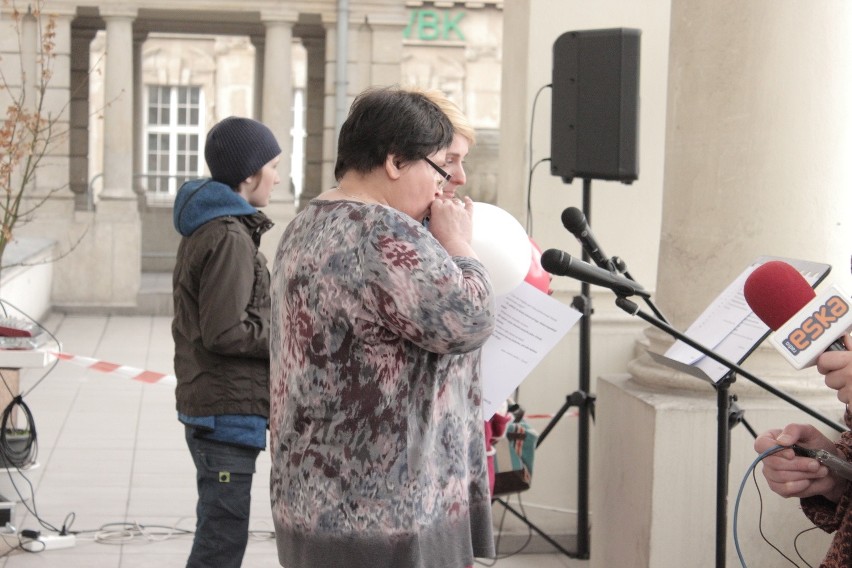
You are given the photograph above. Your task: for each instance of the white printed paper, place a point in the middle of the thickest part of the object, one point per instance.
(729, 327)
(529, 325)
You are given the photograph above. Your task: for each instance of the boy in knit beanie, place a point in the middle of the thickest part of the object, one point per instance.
(221, 331)
(238, 147)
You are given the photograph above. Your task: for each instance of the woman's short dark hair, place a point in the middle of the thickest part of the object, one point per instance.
(390, 120)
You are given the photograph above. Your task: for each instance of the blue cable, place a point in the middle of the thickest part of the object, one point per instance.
(757, 460)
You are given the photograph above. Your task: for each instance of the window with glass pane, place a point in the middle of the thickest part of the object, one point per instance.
(175, 127)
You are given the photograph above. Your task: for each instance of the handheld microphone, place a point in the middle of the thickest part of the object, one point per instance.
(805, 324)
(560, 263)
(575, 221)
(837, 465)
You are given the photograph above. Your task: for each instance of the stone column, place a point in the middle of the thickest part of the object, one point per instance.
(758, 141)
(259, 43)
(118, 114)
(329, 131)
(81, 39)
(140, 184)
(277, 87)
(514, 95)
(378, 36)
(314, 119)
(277, 113)
(112, 270)
(384, 42)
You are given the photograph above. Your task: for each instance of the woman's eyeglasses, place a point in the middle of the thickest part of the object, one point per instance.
(445, 177)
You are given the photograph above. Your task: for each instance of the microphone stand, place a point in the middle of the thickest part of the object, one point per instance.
(620, 266)
(725, 418)
(582, 399)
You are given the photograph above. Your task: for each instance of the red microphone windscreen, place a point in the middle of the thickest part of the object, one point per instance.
(775, 291)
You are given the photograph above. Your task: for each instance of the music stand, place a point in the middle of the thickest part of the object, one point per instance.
(723, 375)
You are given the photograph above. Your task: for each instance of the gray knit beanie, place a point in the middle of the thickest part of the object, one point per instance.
(237, 148)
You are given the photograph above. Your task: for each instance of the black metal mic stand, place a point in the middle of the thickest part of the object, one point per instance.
(582, 399)
(585, 403)
(724, 417)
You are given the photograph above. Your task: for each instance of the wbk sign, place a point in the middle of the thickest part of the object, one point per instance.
(434, 25)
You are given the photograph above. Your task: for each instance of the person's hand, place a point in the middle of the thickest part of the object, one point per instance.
(790, 475)
(836, 366)
(451, 223)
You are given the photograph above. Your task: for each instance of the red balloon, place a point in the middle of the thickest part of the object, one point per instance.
(538, 276)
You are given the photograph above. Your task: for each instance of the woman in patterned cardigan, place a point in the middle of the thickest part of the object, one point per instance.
(378, 454)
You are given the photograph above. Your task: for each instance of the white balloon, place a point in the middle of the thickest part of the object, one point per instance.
(502, 245)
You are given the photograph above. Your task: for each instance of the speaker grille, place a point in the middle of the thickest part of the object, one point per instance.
(595, 110)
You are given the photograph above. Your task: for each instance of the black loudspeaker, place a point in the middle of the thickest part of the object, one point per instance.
(595, 115)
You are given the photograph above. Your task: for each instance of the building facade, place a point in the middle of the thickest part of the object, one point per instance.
(139, 84)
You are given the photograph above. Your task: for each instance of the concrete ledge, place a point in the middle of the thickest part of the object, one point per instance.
(27, 275)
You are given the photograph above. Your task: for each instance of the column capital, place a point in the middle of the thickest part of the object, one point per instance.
(118, 12)
(278, 17)
(139, 36)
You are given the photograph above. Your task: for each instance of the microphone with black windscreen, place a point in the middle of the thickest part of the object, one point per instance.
(575, 221)
(805, 323)
(560, 263)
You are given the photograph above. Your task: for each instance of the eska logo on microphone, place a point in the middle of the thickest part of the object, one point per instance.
(816, 324)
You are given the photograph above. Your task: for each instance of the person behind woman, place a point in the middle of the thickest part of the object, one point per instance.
(221, 331)
(825, 496)
(376, 427)
(464, 139)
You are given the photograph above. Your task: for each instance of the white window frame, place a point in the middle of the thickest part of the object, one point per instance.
(173, 130)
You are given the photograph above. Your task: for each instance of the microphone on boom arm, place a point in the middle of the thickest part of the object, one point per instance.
(575, 221)
(560, 263)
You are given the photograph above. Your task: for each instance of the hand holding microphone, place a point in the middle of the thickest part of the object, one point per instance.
(789, 475)
(809, 328)
(805, 324)
(836, 367)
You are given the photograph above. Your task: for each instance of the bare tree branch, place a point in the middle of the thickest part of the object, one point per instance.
(28, 132)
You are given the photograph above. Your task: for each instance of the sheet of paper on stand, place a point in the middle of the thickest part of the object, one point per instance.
(728, 326)
(529, 325)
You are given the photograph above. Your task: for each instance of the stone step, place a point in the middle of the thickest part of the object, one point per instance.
(155, 294)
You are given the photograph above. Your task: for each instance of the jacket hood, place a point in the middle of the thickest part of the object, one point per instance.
(202, 200)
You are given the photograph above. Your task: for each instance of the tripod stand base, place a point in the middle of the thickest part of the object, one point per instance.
(532, 538)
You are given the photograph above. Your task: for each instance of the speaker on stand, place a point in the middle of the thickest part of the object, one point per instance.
(595, 110)
(594, 127)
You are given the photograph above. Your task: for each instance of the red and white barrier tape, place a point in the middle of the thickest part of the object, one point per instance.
(123, 370)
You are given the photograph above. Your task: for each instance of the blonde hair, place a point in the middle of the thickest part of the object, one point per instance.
(461, 124)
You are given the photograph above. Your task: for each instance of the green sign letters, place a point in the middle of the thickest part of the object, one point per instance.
(432, 25)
